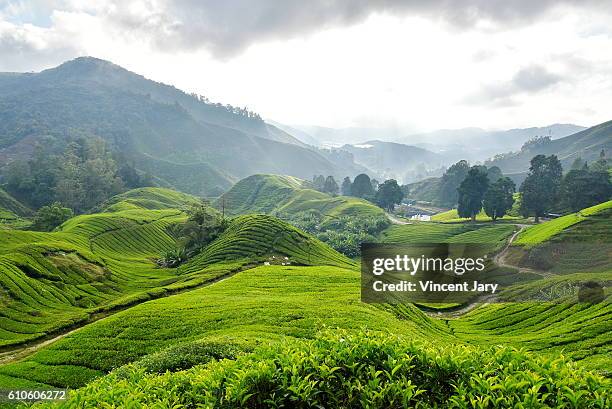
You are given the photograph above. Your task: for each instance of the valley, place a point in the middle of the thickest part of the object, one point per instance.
(260, 284)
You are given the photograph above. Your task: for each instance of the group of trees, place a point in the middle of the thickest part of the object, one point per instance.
(203, 225)
(453, 177)
(325, 184)
(79, 175)
(385, 195)
(476, 191)
(545, 189)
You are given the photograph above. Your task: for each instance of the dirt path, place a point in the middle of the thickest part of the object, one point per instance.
(396, 220)
(18, 352)
(500, 260)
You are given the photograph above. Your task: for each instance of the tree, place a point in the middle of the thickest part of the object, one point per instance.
(498, 199)
(318, 182)
(49, 217)
(471, 192)
(389, 194)
(452, 178)
(494, 173)
(346, 186)
(578, 164)
(203, 225)
(330, 186)
(584, 188)
(540, 190)
(602, 163)
(375, 184)
(362, 187)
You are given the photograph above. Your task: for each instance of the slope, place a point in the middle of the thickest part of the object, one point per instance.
(183, 139)
(586, 144)
(395, 160)
(277, 194)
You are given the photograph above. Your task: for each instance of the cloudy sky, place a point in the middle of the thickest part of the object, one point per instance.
(419, 65)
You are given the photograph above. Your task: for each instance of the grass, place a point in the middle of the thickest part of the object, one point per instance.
(451, 216)
(545, 231)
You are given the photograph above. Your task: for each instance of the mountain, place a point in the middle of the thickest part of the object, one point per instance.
(586, 144)
(395, 160)
(183, 140)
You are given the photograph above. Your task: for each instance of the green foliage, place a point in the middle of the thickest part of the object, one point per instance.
(583, 188)
(389, 194)
(540, 190)
(362, 187)
(203, 225)
(450, 182)
(342, 369)
(499, 198)
(81, 176)
(49, 217)
(344, 233)
(188, 355)
(471, 193)
(330, 187)
(346, 186)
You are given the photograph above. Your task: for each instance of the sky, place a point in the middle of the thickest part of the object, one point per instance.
(415, 65)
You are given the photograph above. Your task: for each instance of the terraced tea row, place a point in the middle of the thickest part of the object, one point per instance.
(274, 194)
(258, 304)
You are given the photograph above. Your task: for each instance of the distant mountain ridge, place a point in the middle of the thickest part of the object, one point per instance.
(586, 144)
(181, 139)
(395, 160)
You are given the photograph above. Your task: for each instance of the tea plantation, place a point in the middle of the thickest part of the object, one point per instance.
(268, 316)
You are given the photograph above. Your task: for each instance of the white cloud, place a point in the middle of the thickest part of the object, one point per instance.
(413, 64)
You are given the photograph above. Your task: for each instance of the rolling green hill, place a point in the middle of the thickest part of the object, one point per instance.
(148, 198)
(285, 194)
(268, 296)
(104, 261)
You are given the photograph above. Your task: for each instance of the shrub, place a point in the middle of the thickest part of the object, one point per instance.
(357, 370)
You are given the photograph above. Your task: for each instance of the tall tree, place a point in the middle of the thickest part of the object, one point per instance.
(498, 199)
(346, 186)
(330, 186)
(602, 163)
(389, 194)
(362, 187)
(494, 173)
(375, 184)
(471, 192)
(318, 182)
(584, 188)
(540, 189)
(452, 178)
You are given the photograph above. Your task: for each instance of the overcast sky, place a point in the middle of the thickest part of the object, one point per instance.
(421, 65)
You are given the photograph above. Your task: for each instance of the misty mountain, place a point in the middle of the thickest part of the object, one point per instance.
(181, 139)
(474, 144)
(586, 144)
(404, 163)
(477, 144)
